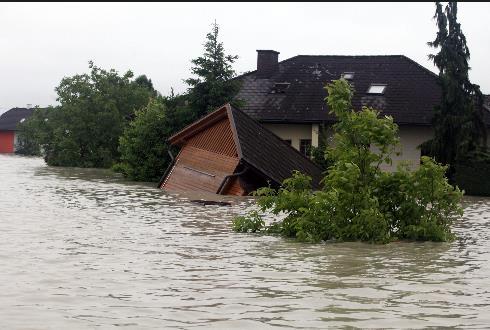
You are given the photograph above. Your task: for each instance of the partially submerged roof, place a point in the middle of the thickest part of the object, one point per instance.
(410, 95)
(10, 119)
(256, 146)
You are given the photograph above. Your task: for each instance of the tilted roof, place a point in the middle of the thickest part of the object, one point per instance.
(10, 119)
(256, 145)
(411, 93)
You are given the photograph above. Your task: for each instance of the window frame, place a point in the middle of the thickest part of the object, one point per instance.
(377, 85)
(307, 148)
(348, 73)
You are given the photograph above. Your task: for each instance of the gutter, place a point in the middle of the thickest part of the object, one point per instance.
(225, 180)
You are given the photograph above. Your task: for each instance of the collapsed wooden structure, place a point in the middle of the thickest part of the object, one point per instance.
(229, 153)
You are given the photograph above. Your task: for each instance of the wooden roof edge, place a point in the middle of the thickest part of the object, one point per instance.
(231, 118)
(199, 125)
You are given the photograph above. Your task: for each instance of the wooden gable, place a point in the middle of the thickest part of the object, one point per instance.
(206, 158)
(227, 152)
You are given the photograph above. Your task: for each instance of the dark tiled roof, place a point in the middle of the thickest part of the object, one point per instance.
(410, 96)
(263, 150)
(10, 119)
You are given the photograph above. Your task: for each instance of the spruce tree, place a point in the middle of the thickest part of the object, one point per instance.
(459, 130)
(213, 84)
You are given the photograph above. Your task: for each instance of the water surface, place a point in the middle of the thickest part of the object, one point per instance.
(84, 249)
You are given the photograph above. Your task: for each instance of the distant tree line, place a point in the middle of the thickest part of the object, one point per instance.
(106, 119)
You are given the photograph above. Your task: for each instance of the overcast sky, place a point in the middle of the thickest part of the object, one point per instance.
(42, 43)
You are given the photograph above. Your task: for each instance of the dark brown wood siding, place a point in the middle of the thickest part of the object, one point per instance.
(205, 160)
(199, 170)
(217, 138)
(234, 188)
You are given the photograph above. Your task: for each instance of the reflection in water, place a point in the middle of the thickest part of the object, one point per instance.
(82, 248)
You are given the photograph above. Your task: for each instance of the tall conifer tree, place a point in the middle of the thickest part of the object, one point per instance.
(459, 130)
(212, 85)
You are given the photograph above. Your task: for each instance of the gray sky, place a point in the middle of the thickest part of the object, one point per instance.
(42, 43)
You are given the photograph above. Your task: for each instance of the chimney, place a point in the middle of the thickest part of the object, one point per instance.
(267, 63)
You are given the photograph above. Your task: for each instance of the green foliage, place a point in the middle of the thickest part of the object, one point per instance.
(94, 110)
(458, 122)
(251, 223)
(472, 174)
(143, 146)
(213, 84)
(318, 154)
(360, 202)
(31, 132)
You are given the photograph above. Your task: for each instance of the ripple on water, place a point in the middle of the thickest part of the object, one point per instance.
(83, 248)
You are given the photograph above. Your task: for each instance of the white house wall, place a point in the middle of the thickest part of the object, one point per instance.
(410, 138)
(294, 132)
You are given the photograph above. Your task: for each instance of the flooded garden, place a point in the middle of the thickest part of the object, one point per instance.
(83, 248)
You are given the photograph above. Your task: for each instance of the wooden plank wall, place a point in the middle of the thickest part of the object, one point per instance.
(204, 161)
(217, 138)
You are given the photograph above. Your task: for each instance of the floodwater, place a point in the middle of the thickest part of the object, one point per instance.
(84, 249)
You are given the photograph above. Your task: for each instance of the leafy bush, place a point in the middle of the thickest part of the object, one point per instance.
(250, 223)
(359, 202)
(31, 132)
(143, 146)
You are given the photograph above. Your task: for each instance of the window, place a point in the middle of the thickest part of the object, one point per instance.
(376, 89)
(280, 87)
(305, 146)
(288, 141)
(347, 75)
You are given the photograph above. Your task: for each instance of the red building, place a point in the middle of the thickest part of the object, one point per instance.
(229, 153)
(8, 127)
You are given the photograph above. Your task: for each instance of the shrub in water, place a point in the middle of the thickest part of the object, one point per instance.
(359, 201)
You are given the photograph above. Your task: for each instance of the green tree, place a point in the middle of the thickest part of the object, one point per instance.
(31, 133)
(94, 110)
(145, 82)
(359, 201)
(143, 146)
(213, 84)
(459, 130)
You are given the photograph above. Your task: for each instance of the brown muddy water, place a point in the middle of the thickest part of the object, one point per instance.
(84, 249)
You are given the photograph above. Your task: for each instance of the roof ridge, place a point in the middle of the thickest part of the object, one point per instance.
(343, 56)
(421, 66)
(337, 55)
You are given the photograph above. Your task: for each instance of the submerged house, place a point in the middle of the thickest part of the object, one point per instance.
(8, 127)
(287, 97)
(229, 153)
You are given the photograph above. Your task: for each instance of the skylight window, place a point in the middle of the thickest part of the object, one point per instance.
(348, 75)
(376, 89)
(280, 87)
